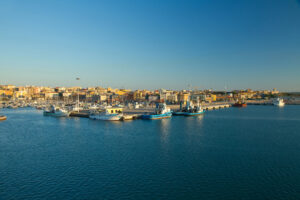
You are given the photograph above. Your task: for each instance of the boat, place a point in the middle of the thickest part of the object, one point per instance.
(56, 112)
(189, 109)
(278, 102)
(109, 114)
(161, 112)
(127, 117)
(93, 107)
(2, 117)
(240, 104)
(12, 106)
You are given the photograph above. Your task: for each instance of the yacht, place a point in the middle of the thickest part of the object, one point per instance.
(56, 112)
(278, 102)
(93, 107)
(109, 114)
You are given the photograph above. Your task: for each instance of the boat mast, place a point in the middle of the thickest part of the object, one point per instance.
(77, 104)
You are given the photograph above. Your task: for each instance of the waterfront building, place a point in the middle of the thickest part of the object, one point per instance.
(51, 95)
(183, 96)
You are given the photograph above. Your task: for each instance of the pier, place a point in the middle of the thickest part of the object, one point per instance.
(207, 106)
(217, 106)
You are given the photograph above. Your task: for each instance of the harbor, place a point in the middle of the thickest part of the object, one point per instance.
(123, 112)
(110, 104)
(59, 109)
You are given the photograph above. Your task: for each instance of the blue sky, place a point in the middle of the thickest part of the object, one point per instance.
(151, 44)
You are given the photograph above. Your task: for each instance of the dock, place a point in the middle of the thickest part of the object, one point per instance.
(270, 102)
(208, 106)
(131, 113)
(217, 106)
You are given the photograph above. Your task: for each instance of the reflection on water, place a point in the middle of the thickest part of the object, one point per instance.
(62, 121)
(77, 122)
(200, 118)
(164, 126)
(194, 120)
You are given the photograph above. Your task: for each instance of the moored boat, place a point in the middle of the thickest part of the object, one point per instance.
(127, 117)
(2, 118)
(161, 112)
(194, 113)
(56, 112)
(278, 102)
(240, 104)
(189, 110)
(109, 114)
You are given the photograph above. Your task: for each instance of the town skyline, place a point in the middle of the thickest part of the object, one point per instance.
(115, 95)
(188, 88)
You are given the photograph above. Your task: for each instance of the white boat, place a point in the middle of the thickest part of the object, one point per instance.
(190, 109)
(56, 112)
(76, 108)
(93, 107)
(278, 102)
(2, 117)
(109, 114)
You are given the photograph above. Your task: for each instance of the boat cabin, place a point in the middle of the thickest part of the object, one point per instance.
(114, 110)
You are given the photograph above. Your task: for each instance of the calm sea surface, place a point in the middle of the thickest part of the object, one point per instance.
(250, 153)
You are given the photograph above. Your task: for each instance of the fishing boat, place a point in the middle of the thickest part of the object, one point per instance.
(2, 117)
(197, 110)
(278, 102)
(127, 117)
(240, 104)
(109, 114)
(161, 112)
(56, 112)
(93, 107)
(189, 109)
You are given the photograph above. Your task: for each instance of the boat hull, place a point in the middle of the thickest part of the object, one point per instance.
(56, 114)
(240, 105)
(2, 118)
(159, 116)
(106, 117)
(193, 114)
(127, 117)
(188, 113)
(279, 104)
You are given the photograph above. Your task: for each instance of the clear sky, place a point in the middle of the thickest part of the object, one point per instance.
(151, 44)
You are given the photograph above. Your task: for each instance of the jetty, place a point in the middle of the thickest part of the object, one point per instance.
(270, 102)
(208, 106)
(216, 106)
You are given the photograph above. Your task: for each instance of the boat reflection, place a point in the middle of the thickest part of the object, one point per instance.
(192, 122)
(164, 126)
